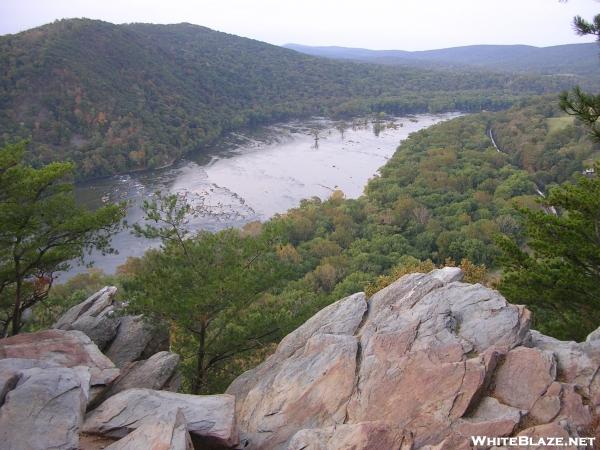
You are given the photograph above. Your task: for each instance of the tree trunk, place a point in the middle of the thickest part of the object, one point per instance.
(16, 316)
(200, 376)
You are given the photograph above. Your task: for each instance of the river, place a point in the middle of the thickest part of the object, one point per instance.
(255, 175)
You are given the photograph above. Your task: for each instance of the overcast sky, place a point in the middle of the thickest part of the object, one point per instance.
(376, 24)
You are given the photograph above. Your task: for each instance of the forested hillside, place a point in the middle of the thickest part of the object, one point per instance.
(569, 59)
(446, 194)
(117, 98)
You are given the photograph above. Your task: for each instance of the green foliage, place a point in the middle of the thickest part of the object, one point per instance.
(41, 230)
(444, 195)
(559, 275)
(66, 295)
(586, 107)
(209, 287)
(116, 98)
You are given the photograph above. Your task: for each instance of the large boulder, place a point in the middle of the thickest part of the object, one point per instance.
(96, 317)
(428, 361)
(44, 409)
(280, 397)
(168, 432)
(210, 419)
(58, 348)
(122, 338)
(158, 372)
(577, 363)
(137, 339)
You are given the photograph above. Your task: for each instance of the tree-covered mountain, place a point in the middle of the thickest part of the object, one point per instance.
(446, 194)
(116, 98)
(570, 59)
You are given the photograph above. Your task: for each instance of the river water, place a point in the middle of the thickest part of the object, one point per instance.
(255, 175)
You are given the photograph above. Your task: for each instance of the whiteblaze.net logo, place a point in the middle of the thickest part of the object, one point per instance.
(527, 441)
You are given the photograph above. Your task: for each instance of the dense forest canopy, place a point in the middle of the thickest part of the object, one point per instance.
(444, 196)
(116, 98)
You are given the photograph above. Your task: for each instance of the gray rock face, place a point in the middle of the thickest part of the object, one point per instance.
(210, 419)
(164, 433)
(577, 363)
(58, 348)
(594, 335)
(45, 409)
(95, 317)
(340, 318)
(136, 339)
(123, 339)
(158, 372)
(431, 362)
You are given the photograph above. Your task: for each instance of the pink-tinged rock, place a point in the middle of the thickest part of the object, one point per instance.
(210, 419)
(45, 409)
(63, 349)
(489, 418)
(524, 376)
(418, 394)
(573, 410)
(418, 344)
(550, 430)
(452, 442)
(164, 433)
(360, 436)
(311, 387)
(439, 359)
(307, 381)
(578, 363)
(428, 349)
(547, 407)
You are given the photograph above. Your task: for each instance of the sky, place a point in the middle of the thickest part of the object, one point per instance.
(375, 24)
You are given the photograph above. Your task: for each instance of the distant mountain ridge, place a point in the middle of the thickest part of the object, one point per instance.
(578, 59)
(117, 98)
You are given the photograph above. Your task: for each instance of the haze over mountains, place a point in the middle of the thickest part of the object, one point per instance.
(116, 98)
(578, 59)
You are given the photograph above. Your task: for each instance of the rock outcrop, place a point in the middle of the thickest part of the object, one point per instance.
(136, 339)
(48, 379)
(157, 372)
(44, 409)
(427, 362)
(123, 338)
(95, 317)
(58, 348)
(168, 433)
(210, 419)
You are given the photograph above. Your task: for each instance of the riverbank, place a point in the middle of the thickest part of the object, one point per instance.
(253, 176)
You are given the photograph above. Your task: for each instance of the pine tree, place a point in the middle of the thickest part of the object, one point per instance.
(42, 229)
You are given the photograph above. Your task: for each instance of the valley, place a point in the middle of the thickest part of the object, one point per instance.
(215, 241)
(255, 175)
